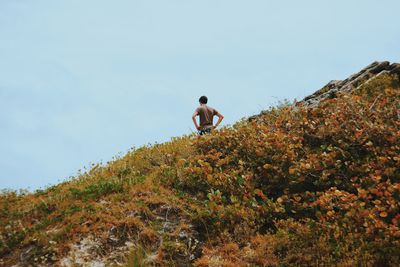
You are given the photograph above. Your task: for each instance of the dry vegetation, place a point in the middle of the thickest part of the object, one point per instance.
(300, 187)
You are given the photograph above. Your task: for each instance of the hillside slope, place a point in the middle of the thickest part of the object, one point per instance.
(305, 184)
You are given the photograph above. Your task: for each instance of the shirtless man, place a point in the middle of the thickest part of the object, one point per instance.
(206, 114)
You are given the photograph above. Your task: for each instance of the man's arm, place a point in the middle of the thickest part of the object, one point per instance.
(220, 118)
(194, 120)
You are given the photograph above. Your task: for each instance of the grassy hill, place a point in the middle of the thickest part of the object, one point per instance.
(298, 185)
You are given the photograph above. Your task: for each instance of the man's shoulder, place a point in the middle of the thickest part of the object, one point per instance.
(205, 108)
(208, 107)
(212, 109)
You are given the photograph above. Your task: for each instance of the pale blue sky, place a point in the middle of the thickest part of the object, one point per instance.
(82, 81)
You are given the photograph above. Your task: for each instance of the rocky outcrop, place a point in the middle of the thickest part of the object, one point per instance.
(352, 83)
(348, 85)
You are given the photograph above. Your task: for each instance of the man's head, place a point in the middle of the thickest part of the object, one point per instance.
(203, 100)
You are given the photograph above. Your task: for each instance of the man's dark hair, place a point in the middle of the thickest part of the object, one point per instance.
(203, 99)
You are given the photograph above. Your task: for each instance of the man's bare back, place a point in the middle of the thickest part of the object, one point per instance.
(206, 115)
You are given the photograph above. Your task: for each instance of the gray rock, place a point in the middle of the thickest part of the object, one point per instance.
(348, 85)
(352, 83)
(27, 253)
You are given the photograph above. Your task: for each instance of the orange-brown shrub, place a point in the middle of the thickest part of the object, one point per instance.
(336, 167)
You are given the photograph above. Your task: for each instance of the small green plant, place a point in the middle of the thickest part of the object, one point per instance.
(136, 257)
(97, 190)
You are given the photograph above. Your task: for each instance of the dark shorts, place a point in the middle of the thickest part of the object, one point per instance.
(205, 131)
